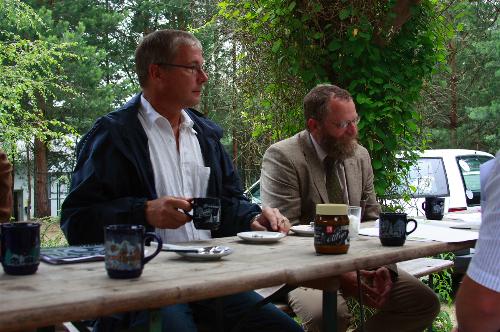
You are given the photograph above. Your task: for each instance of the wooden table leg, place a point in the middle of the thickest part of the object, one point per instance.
(329, 286)
(329, 311)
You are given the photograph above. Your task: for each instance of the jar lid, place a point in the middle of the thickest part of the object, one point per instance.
(331, 209)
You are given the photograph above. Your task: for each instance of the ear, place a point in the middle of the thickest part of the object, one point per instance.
(154, 71)
(312, 125)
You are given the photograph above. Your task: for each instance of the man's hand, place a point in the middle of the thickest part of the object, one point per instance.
(164, 212)
(271, 219)
(376, 286)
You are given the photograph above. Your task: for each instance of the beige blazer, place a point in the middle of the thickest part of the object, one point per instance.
(293, 180)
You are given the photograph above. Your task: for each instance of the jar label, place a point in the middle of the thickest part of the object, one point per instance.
(331, 235)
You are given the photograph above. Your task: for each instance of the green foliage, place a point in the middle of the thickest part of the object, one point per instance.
(31, 73)
(348, 44)
(442, 323)
(442, 282)
(467, 85)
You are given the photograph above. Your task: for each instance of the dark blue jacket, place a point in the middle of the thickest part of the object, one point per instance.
(113, 178)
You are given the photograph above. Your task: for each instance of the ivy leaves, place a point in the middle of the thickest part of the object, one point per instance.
(339, 42)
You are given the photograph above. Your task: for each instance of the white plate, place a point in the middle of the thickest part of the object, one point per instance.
(306, 230)
(207, 253)
(261, 237)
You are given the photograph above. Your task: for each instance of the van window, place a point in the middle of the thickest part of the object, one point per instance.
(254, 193)
(428, 176)
(469, 169)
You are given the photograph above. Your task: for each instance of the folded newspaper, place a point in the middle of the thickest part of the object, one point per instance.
(72, 254)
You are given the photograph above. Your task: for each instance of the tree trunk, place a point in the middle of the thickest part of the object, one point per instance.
(453, 94)
(233, 105)
(28, 170)
(42, 203)
(398, 16)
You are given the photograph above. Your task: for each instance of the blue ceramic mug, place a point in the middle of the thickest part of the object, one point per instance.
(20, 247)
(434, 208)
(124, 250)
(392, 228)
(206, 213)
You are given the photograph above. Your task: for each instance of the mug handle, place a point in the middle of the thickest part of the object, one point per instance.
(152, 236)
(414, 228)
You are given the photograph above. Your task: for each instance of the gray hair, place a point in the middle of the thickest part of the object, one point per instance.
(316, 101)
(160, 47)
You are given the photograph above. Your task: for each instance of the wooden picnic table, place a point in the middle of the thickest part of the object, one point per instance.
(60, 293)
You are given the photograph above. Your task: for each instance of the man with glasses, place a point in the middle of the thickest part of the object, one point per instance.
(143, 164)
(325, 164)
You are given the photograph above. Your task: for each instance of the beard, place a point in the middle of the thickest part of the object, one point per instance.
(339, 148)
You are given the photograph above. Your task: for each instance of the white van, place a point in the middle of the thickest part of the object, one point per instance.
(449, 173)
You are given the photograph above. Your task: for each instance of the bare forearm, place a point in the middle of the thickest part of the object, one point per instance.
(477, 307)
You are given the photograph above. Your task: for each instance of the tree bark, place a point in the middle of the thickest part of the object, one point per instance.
(233, 104)
(452, 51)
(42, 202)
(28, 170)
(402, 13)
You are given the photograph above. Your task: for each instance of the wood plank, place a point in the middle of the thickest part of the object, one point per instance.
(420, 267)
(81, 291)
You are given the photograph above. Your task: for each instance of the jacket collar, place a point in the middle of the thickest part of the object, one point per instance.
(315, 165)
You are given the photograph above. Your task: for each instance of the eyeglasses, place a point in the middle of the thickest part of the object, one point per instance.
(344, 124)
(194, 69)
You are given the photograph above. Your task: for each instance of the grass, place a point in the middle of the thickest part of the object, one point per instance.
(444, 322)
(51, 234)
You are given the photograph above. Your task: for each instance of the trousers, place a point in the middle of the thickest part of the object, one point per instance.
(411, 307)
(184, 317)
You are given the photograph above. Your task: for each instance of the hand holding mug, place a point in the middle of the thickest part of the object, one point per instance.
(206, 213)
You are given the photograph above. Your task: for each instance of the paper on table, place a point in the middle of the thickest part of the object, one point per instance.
(460, 224)
(431, 233)
(474, 218)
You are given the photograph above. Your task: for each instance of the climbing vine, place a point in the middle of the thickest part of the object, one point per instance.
(378, 50)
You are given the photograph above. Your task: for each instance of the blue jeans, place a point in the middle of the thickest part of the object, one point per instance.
(181, 317)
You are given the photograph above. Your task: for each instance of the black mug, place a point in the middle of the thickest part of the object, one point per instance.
(124, 250)
(392, 228)
(433, 207)
(20, 247)
(206, 213)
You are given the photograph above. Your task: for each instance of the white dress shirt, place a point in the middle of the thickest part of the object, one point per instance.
(179, 173)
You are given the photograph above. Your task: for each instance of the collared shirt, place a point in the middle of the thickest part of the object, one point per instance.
(179, 173)
(339, 168)
(484, 267)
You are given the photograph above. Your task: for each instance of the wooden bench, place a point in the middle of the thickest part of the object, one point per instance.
(417, 267)
(425, 266)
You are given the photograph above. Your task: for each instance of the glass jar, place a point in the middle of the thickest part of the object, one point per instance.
(331, 229)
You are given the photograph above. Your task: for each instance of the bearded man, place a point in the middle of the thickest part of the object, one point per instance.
(325, 164)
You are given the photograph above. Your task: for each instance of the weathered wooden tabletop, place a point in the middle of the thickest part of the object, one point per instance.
(58, 293)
